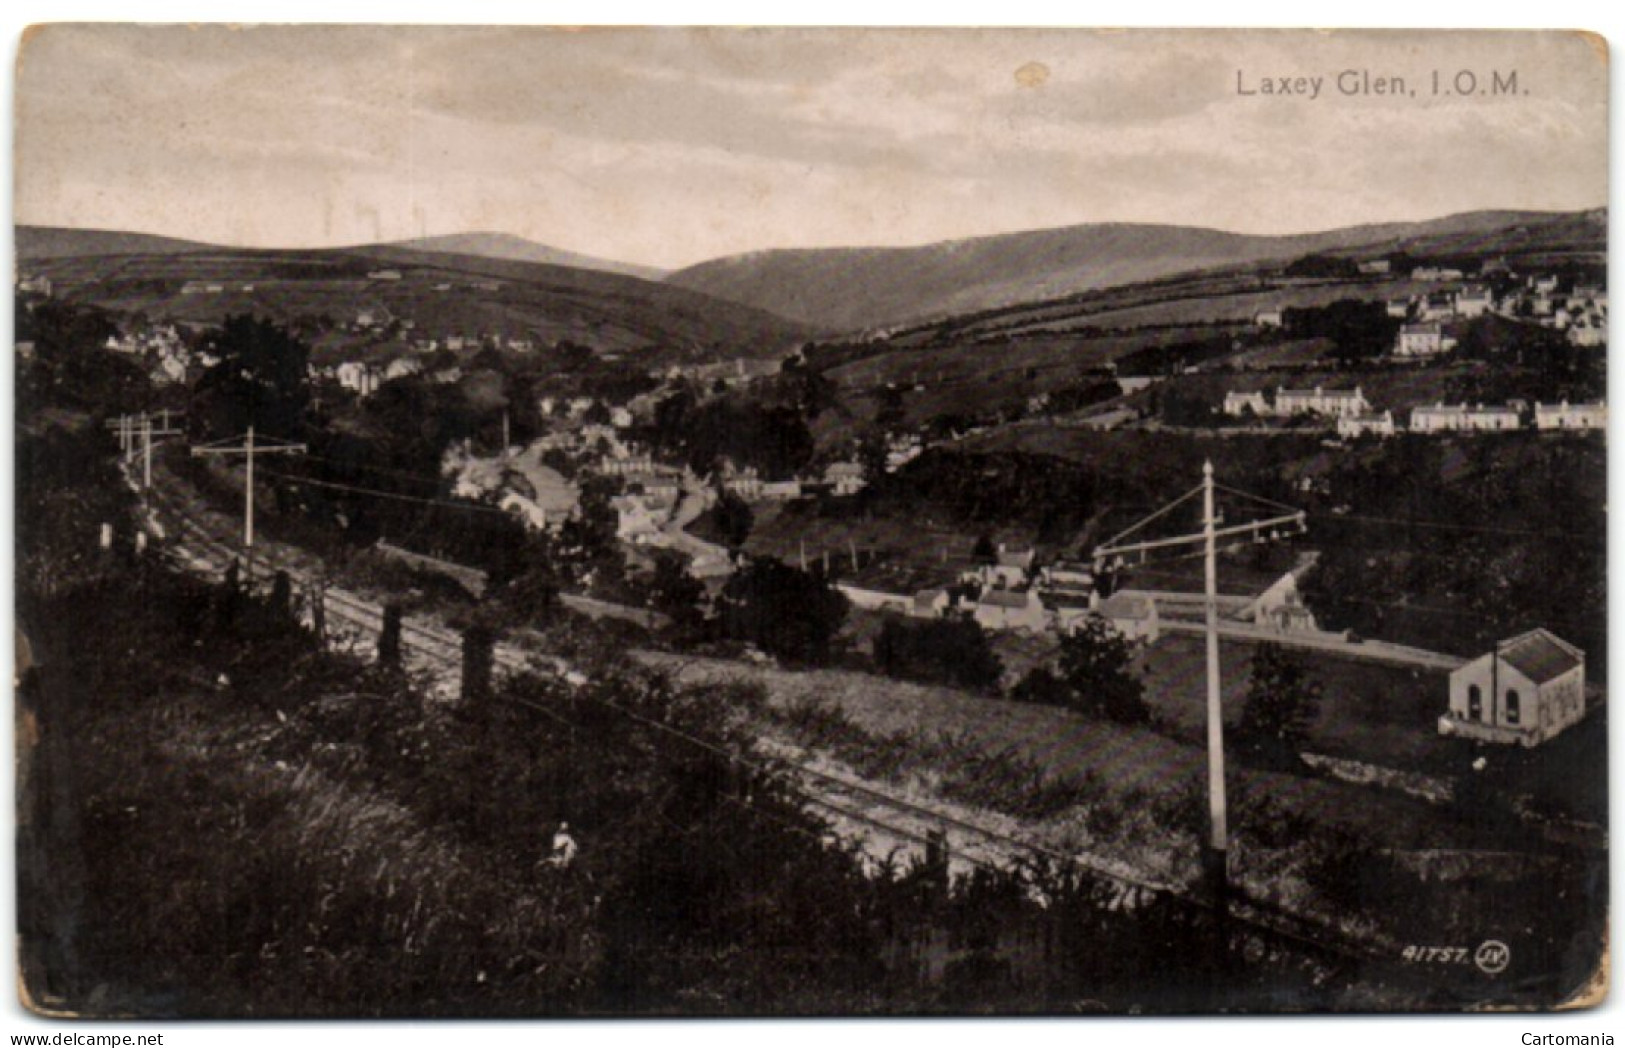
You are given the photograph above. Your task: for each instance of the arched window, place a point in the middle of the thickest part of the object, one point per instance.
(1475, 703)
(1513, 712)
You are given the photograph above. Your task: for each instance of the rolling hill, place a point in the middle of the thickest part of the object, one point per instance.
(865, 288)
(511, 248)
(45, 242)
(442, 294)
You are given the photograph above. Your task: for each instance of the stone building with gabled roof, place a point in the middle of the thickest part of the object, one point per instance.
(1525, 691)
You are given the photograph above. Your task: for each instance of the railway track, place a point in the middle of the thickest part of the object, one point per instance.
(203, 541)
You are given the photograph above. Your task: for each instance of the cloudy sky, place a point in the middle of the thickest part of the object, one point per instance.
(667, 147)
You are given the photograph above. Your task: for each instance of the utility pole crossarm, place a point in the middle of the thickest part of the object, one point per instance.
(1253, 527)
(248, 449)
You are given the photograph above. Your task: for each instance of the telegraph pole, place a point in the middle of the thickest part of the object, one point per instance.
(248, 449)
(147, 433)
(1215, 851)
(129, 426)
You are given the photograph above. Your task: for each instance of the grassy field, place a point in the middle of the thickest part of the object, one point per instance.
(1370, 711)
(1146, 787)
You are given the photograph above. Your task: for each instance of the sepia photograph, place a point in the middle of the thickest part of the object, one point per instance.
(652, 522)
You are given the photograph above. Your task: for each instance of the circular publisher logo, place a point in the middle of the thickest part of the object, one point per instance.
(1492, 957)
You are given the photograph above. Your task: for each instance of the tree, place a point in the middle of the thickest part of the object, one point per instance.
(939, 651)
(71, 364)
(674, 592)
(1282, 700)
(260, 381)
(788, 613)
(1095, 663)
(734, 519)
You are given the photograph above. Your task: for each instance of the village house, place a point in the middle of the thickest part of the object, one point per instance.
(402, 367)
(1564, 415)
(1009, 568)
(1589, 295)
(1419, 340)
(1525, 691)
(378, 316)
(1374, 267)
(931, 603)
(656, 484)
(170, 370)
(1268, 318)
(1134, 615)
(1440, 305)
(1399, 308)
(1127, 384)
(844, 478)
(1588, 332)
(1238, 402)
(638, 518)
(1359, 425)
(359, 377)
(869, 598)
(745, 483)
(1281, 608)
(35, 285)
(780, 490)
(1474, 301)
(902, 450)
(1436, 273)
(1545, 283)
(1442, 418)
(1320, 401)
(998, 609)
(623, 461)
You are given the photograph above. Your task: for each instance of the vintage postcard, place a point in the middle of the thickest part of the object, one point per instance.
(518, 521)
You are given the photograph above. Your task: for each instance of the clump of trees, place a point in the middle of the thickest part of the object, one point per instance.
(1094, 674)
(786, 612)
(1361, 329)
(955, 652)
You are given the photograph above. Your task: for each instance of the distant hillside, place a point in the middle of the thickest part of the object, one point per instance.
(865, 288)
(442, 295)
(37, 242)
(518, 249)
